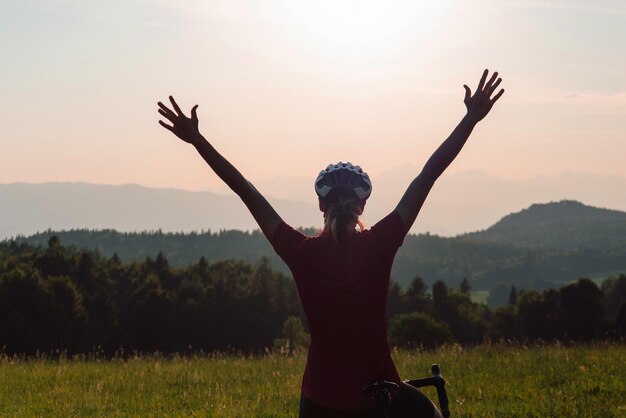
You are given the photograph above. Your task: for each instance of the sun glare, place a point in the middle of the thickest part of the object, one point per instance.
(359, 22)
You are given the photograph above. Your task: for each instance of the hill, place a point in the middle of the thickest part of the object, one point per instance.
(558, 225)
(481, 259)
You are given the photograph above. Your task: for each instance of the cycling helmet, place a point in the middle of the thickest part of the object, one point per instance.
(345, 177)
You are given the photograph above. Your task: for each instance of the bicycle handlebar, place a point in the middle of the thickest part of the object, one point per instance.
(438, 382)
(380, 391)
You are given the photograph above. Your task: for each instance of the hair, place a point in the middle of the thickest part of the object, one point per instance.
(342, 215)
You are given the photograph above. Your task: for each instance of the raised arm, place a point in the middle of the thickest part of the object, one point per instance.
(187, 129)
(478, 106)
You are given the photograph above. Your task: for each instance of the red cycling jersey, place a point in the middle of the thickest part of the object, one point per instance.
(343, 290)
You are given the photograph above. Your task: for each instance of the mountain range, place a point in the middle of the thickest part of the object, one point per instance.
(459, 203)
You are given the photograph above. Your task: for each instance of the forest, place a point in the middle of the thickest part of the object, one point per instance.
(58, 298)
(485, 263)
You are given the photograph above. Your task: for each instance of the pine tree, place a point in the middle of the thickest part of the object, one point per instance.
(465, 286)
(513, 296)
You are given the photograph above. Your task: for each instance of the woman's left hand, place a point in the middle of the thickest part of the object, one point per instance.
(183, 127)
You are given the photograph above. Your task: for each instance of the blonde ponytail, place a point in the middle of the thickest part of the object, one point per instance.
(342, 215)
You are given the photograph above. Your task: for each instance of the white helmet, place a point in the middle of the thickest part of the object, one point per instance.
(345, 177)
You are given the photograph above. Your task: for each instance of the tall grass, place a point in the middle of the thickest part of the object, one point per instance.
(489, 381)
(536, 381)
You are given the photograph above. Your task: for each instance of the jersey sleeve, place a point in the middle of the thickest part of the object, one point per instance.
(390, 233)
(285, 241)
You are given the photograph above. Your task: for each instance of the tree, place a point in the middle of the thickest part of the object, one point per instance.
(162, 269)
(513, 295)
(538, 316)
(26, 312)
(582, 311)
(68, 316)
(498, 295)
(466, 319)
(614, 293)
(395, 300)
(294, 335)
(440, 292)
(148, 315)
(440, 302)
(418, 329)
(262, 289)
(53, 262)
(416, 296)
(465, 286)
(620, 321)
(502, 325)
(85, 273)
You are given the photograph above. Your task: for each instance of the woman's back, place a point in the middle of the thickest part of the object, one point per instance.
(343, 289)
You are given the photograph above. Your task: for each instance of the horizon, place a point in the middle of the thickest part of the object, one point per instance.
(222, 189)
(317, 82)
(547, 203)
(462, 203)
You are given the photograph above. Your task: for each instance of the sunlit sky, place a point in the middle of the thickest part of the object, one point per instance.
(285, 87)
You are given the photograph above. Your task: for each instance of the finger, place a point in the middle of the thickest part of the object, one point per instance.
(482, 80)
(175, 106)
(497, 96)
(194, 115)
(170, 117)
(495, 86)
(166, 109)
(166, 126)
(468, 93)
(490, 82)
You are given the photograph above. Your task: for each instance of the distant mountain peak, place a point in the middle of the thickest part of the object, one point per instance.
(559, 212)
(561, 224)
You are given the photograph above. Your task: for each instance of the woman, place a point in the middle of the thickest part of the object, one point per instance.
(342, 275)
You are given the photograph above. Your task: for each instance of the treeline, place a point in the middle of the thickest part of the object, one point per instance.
(434, 258)
(486, 264)
(180, 249)
(577, 312)
(61, 298)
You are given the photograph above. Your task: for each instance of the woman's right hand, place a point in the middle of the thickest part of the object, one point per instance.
(480, 103)
(183, 127)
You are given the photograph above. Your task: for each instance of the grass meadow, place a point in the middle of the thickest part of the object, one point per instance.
(485, 381)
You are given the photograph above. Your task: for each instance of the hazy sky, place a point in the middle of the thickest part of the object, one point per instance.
(285, 87)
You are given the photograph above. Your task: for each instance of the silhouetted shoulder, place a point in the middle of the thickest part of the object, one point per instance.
(389, 232)
(286, 241)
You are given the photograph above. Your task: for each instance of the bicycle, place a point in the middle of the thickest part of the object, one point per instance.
(380, 391)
